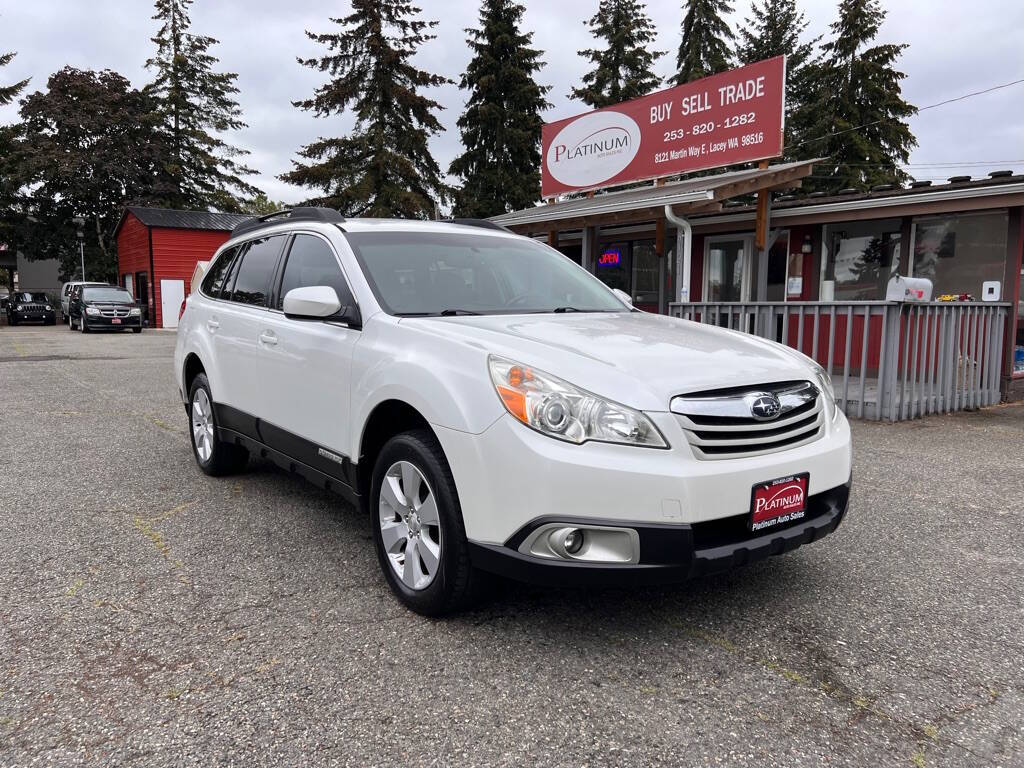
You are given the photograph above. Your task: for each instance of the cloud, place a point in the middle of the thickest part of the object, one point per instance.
(955, 47)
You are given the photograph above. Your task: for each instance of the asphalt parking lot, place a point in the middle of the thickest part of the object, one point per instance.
(150, 615)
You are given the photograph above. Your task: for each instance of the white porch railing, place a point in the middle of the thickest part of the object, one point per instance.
(887, 360)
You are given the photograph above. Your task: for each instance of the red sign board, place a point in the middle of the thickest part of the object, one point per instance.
(733, 117)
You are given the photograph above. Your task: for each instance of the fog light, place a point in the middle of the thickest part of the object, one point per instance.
(573, 541)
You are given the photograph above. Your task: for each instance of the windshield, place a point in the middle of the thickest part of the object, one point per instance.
(27, 298)
(106, 294)
(434, 273)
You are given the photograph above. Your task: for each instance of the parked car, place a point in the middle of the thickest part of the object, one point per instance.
(496, 408)
(103, 307)
(65, 297)
(30, 307)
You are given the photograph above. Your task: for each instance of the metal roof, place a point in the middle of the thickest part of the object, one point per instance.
(879, 198)
(169, 218)
(701, 194)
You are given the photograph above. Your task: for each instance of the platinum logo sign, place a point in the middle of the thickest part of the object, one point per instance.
(726, 119)
(594, 148)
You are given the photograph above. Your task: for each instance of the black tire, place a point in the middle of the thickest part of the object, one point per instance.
(457, 584)
(136, 330)
(82, 326)
(225, 458)
(12, 321)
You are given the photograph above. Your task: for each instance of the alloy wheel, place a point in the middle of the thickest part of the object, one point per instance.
(202, 425)
(409, 525)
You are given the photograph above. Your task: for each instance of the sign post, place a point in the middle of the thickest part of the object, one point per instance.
(729, 118)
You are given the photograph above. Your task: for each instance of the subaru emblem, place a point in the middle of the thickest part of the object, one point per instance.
(764, 406)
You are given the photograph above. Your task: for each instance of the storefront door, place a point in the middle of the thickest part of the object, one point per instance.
(728, 268)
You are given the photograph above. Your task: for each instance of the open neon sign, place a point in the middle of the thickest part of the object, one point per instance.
(610, 258)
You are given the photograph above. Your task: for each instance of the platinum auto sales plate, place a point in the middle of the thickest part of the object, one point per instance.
(778, 501)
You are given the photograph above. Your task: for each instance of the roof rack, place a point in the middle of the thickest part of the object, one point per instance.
(482, 223)
(304, 213)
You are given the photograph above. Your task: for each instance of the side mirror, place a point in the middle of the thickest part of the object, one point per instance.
(311, 302)
(624, 297)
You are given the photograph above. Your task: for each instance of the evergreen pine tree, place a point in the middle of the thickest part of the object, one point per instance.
(774, 29)
(858, 117)
(195, 105)
(9, 93)
(705, 47)
(383, 167)
(500, 167)
(9, 170)
(623, 66)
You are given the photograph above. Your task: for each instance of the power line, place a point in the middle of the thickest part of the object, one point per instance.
(922, 109)
(938, 166)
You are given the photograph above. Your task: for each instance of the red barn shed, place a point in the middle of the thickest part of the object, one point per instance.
(157, 251)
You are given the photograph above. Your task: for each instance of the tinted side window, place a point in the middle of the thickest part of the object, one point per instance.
(214, 280)
(258, 262)
(311, 261)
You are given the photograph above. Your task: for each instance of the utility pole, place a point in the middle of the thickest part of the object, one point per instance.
(80, 232)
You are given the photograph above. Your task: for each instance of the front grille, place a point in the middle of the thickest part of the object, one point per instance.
(114, 312)
(34, 308)
(720, 424)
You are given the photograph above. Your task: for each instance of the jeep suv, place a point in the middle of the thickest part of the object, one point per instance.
(493, 407)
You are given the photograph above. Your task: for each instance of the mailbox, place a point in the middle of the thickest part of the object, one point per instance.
(909, 289)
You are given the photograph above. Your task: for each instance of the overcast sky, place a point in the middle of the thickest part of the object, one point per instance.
(956, 47)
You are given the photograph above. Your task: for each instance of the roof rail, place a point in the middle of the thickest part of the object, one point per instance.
(304, 213)
(482, 223)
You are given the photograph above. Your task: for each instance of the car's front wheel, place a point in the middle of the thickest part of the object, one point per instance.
(418, 528)
(214, 457)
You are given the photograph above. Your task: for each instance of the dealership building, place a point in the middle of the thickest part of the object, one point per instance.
(910, 297)
(820, 283)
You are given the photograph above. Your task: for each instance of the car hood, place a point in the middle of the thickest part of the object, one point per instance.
(635, 358)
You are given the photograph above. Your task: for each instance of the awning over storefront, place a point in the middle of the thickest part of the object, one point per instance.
(704, 194)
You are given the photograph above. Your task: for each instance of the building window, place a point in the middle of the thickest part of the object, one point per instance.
(725, 261)
(860, 257)
(959, 253)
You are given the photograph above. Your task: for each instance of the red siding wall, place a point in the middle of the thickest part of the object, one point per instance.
(132, 249)
(175, 253)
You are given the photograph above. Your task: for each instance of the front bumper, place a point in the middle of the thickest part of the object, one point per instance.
(100, 322)
(668, 553)
(34, 317)
(510, 475)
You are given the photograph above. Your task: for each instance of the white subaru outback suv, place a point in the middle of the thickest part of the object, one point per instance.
(495, 408)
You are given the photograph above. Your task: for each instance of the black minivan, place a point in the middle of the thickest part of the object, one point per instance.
(106, 307)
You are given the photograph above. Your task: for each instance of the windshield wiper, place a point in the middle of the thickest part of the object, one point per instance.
(454, 312)
(560, 310)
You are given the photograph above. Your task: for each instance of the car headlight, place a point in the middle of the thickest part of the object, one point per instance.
(91, 311)
(134, 312)
(556, 408)
(828, 392)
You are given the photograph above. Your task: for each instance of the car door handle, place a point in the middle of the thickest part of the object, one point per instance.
(268, 338)
(212, 324)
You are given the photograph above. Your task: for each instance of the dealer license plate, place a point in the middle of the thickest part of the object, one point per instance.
(116, 320)
(778, 501)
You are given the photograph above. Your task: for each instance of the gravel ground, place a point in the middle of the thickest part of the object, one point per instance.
(150, 615)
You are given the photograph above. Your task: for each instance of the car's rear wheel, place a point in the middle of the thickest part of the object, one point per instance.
(82, 326)
(215, 457)
(136, 330)
(418, 528)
